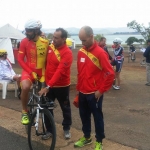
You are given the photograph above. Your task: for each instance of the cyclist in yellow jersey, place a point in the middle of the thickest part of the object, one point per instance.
(31, 57)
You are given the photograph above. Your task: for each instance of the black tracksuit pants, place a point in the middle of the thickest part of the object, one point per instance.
(87, 106)
(62, 95)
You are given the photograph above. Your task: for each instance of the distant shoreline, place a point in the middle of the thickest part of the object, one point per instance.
(111, 37)
(113, 34)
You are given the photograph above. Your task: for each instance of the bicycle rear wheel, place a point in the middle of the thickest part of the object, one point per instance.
(35, 136)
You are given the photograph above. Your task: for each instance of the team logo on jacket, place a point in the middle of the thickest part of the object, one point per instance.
(42, 48)
(94, 59)
(58, 56)
(49, 51)
(42, 53)
(82, 59)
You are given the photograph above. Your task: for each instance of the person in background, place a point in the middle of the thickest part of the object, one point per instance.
(18, 45)
(69, 43)
(102, 44)
(43, 35)
(132, 51)
(92, 84)
(32, 58)
(59, 60)
(7, 72)
(147, 55)
(117, 61)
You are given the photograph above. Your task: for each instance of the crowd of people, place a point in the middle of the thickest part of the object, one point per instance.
(51, 64)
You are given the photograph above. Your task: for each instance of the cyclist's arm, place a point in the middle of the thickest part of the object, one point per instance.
(21, 57)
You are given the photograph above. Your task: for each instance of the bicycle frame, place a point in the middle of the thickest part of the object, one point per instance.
(38, 108)
(37, 120)
(34, 97)
(39, 112)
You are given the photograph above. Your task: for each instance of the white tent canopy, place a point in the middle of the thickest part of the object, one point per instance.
(7, 33)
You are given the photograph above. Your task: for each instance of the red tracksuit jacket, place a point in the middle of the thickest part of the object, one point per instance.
(58, 72)
(90, 77)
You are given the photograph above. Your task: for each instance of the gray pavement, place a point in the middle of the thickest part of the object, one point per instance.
(12, 141)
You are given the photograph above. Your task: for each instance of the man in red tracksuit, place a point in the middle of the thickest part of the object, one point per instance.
(57, 76)
(95, 76)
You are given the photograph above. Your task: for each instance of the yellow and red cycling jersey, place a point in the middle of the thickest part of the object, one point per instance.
(32, 56)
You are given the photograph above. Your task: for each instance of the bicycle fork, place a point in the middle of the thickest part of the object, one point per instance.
(37, 121)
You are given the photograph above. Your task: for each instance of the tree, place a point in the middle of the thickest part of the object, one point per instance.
(97, 37)
(50, 36)
(131, 40)
(141, 41)
(144, 31)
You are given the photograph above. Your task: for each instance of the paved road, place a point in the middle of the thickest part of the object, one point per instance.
(126, 112)
(126, 119)
(12, 141)
(14, 136)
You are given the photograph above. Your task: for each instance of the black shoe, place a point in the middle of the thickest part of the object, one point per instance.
(148, 84)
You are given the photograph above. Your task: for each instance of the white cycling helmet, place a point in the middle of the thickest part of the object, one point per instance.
(117, 40)
(33, 24)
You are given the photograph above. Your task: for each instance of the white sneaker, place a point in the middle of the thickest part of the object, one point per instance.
(113, 86)
(116, 87)
(67, 134)
(46, 136)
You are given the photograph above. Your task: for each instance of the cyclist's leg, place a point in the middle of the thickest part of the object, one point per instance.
(118, 70)
(26, 83)
(133, 55)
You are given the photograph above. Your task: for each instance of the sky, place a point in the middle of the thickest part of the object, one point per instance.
(77, 13)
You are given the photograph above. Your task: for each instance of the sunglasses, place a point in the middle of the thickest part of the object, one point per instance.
(29, 30)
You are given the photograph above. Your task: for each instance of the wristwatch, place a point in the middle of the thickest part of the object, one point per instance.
(47, 87)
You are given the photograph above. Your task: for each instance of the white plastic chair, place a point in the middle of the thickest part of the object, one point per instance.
(4, 87)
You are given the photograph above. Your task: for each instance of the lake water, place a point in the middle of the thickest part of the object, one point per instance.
(109, 38)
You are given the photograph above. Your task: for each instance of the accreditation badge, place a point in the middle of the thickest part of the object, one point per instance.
(82, 59)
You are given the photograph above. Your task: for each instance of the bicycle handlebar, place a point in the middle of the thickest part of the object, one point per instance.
(47, 102)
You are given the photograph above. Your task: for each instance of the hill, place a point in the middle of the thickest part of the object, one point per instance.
(75, 31)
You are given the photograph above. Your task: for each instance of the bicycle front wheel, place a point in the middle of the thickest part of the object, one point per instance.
(37, 129)
(31, 109)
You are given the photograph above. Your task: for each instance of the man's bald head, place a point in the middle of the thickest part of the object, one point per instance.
(87, 30)
(86, 36)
